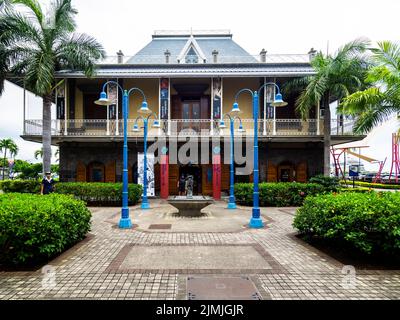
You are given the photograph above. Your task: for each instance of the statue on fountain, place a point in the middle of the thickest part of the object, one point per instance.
(189, 187)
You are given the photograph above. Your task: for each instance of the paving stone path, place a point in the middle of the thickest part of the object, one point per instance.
(145, 263)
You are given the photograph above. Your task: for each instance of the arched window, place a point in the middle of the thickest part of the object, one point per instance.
(95, 172)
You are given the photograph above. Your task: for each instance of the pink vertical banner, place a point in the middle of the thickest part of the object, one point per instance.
(164, 165)
(217, 176)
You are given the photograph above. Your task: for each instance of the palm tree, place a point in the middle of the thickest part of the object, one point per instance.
(376, 104)
(35, 46)
(7, 145)
(336, 76)
(38, 154)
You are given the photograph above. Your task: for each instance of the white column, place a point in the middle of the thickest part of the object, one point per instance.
(116, 113)
(169, 107)
(318, 118)
(212, 108)
(65, 106)
(24, 102)
(265, 109)
(274, 130)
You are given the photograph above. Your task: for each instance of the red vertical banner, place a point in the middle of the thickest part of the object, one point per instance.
(217, 176)
(164, 165)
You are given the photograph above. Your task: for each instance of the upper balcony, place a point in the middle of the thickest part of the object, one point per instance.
(278, 130)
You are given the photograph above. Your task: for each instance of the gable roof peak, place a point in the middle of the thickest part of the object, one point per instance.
(191, 43)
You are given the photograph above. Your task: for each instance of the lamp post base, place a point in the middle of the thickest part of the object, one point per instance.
(145, 205)
(231, 205)
(125, 223)
(256, 223)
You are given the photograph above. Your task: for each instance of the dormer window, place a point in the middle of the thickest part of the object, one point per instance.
(191, 56)
(191, 53)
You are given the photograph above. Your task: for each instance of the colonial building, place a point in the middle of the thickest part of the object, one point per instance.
(190, 80)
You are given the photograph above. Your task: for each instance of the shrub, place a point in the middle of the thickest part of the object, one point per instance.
(369, 222)
(99, 192)
(20, 186)
(92, 192)
(35, 227)
(372, 185)
(280, 194)
(329, 183)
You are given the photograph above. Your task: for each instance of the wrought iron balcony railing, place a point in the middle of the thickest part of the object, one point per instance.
(182, 128)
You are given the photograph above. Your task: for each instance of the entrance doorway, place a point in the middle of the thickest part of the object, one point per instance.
(195, 172)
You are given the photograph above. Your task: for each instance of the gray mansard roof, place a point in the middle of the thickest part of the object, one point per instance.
(232, 59)
(228, 50)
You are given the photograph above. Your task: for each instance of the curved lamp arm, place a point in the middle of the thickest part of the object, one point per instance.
(269, 84)
(114, 82)
(241, 91)
(138, 90)
(153, 114)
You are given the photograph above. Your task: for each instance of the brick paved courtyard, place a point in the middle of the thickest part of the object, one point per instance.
(146, 263)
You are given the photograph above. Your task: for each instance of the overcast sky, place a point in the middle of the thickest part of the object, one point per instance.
(284, 26)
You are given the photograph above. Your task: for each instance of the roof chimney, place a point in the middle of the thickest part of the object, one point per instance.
(215, 56)
(263, 55)
(167, 54)
(120, 57)
(312, 53)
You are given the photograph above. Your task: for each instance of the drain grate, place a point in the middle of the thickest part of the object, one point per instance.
(221, 288)
(160, 226)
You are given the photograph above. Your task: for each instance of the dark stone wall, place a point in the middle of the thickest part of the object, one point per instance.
(295, 153)
(73, 152)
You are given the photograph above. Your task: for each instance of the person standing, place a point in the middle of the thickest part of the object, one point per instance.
(47, 184)
(181, 185)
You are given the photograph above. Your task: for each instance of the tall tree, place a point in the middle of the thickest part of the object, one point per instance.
(35, 45)
(7, 145)
(336, 76)
(376, 104)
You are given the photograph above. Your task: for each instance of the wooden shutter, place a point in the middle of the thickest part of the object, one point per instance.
(272, 172)
(225, 177)
(173, 179)
(110, 171)
(80, 172)
(157, 176)
(206, 179)
(301, 172)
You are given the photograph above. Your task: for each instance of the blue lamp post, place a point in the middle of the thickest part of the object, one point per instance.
(232, 117)
(156, 124)
(255, 221)
(125, 221)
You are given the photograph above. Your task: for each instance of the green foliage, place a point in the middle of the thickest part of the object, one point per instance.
(375, 105)
(34, 227)
(96, 193)
(30, 46)
(374, 185)
(369, 221)
(20, 186)
(99, 192)
(329, 183)
(280, 194)
(31, 171)
(336, 76)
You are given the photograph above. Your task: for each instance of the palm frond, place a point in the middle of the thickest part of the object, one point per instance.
(372, 117)
(80, 52)
(34, 6)
(388, 54)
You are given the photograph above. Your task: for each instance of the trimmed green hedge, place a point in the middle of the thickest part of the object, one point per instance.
(20, 186)
(279, 194)
(99, 192)
(369, 222)
(91, 192)
(34, 227)
(373, 185)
